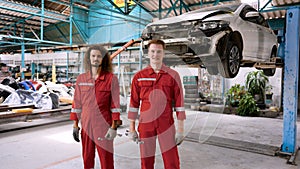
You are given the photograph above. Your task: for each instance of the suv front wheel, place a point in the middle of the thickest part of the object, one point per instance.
(231, 62)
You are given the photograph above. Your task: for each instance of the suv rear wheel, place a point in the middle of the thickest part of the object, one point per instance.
(271, 71)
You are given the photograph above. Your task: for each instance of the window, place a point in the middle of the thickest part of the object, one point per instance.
(245, 10)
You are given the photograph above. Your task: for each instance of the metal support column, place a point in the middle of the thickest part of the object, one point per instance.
(141, 54)
(71, 22)
(119, 66)
(159, 9)
(23, 60)
(32, 67)
(291, 75)
(81, 70)
(42, 20)
(67, 66)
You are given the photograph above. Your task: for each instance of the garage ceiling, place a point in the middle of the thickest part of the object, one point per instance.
(18, 18)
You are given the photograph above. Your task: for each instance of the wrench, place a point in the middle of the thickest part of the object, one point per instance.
(100, 138)
(137, 141)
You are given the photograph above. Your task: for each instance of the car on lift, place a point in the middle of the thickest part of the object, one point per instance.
(221, 38)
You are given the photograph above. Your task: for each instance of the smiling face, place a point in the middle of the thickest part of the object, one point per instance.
(156, 55)
(95, 58)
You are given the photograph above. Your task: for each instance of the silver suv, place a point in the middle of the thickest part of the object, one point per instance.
(220, 38)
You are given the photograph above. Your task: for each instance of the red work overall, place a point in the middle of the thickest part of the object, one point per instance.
(157, 93)
(96, 104)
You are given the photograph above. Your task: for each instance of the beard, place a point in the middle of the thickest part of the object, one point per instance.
(96, 65)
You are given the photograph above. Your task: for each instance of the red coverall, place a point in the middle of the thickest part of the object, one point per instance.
(157, 93)
(96, 104)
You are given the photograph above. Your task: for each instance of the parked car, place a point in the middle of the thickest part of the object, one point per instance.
(221, 38)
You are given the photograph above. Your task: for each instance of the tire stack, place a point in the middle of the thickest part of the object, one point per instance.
(191, 95)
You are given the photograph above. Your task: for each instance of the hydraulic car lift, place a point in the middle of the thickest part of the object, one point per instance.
(290, 86)
(274, 63)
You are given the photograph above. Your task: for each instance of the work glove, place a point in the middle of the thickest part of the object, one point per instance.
(178, 138)
(111, 134)
(76, 133)
(133, 135)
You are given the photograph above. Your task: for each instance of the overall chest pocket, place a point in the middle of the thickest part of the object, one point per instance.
(103, 92)
(167, 83)
(145, 84)
(103, 96)
(168, 88)
(87, 93)
(146, 88)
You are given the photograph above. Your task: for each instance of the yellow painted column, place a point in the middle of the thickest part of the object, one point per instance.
(53, 73)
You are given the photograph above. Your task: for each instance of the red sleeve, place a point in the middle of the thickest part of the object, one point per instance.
(76, 104)
(134, 99)
(115, 97)
(179, 102)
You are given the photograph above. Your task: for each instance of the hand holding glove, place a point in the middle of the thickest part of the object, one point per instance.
(133, 135)
(111, 134)
(178, 138)
(76, 133)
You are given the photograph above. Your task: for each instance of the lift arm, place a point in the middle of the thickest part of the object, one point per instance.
(129, 43)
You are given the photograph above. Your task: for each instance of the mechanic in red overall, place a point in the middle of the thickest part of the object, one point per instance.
(96, 104)
(157, 88)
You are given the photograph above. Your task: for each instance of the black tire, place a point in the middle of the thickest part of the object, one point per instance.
(271, 72)
(231, 62)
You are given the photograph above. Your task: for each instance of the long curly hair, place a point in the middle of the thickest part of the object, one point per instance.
(106, 62)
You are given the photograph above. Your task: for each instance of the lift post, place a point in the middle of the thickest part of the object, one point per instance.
(290, 86)
(22, 61)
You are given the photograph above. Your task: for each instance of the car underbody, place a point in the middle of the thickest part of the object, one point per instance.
(206, 52)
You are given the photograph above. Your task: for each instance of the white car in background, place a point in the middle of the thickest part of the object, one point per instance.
(221, 38)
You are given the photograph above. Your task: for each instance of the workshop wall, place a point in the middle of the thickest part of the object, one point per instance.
(115, 28)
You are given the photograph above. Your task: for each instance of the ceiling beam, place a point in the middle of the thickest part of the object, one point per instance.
(97, 6)
(20, 19)
(139, 3)
(190, 5)
(33, 40)
(35, 14)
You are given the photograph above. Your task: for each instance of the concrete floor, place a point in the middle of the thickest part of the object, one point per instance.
(214, 141)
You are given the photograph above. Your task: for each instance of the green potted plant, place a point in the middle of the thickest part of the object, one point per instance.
(234, 94)
(256, 82)
(247, 106)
